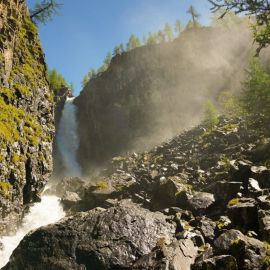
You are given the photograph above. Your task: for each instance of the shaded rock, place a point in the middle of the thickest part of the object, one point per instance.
(242, 213)
(264, 224)
(264, 202)
(177, 256)
(99, 239)
(224, 190)
(224, 262)
(70, 184)
(224, 241)
(262, 174)
(208, 228)
(200, 202)
(250, 253)
(165, 193)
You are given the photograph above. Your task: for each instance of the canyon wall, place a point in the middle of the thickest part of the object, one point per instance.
(26, 114)
(151, 93)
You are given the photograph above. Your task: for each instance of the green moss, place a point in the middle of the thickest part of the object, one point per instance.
(5, 189)
(233, 202)
(101, 185)
(22, 89)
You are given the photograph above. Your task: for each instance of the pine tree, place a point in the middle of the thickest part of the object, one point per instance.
(56, 80)
(44, 11)
(168, 32)
(133, 42)
(178, 28)
(194, 14)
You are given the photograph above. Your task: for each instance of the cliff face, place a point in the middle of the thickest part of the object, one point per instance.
(145, 95)
(26, 114)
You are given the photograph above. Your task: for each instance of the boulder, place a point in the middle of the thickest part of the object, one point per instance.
(224, 241)
(177, 256)
(223, 262)
(70, 184)
(224, 190)
(264, 224)
(208, 228)
(250, 253)
(99, 239)
(262, 175)
(200, 202)
(165, 193)
(242, 212)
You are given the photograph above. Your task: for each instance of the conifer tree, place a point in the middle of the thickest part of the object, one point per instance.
(178, 27)
(44, 11)
(168, 32)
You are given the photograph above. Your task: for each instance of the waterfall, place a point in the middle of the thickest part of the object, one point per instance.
(46, 212)
(67, 139)
(49, 210)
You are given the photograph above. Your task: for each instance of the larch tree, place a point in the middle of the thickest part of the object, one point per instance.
(44, 11)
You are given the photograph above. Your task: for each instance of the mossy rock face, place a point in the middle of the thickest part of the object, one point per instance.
(26, 111)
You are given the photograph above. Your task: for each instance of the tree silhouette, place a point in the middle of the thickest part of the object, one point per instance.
(44, 11)
(194, 14)
(178, 27)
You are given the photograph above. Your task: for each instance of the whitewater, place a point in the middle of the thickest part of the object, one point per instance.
(49, 210)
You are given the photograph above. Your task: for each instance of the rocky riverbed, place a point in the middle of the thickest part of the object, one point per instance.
(199, 201)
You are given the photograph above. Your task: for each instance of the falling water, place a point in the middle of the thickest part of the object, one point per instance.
(46, 212)
(49, 210)
(67, 139)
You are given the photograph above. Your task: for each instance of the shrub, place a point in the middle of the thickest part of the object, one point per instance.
(210, 115)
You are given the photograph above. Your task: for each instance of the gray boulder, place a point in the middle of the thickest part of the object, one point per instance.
(99, 239)
(177, 256)
(224, 262)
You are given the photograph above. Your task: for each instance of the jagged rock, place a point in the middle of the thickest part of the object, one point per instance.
(177, 256)
(99, 239)
(264, 224)
(250, 253)
(70, 199)
(208, 228)
(264, 202)
(70, 184)
(262, 175)
(165, 193)
(224, 262)
(242, 214)
(27, 109)
(224, 241)
(205, 253)
(224, 190)
(261, 152)
(200, 202)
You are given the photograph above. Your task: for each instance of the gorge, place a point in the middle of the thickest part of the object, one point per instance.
(144, 175)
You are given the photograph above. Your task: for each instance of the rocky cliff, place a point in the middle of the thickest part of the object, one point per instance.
(26, 114)
(200, 201)
(144, 97)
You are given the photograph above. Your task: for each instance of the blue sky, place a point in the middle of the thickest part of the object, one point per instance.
(87, 30)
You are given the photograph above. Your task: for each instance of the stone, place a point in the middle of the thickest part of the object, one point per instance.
(264, 224)
(208, 228)
(223, 262)
(70, 184)
(177, 256)
(99, 239)
(165, 193)
(225, 240)
(224, 190)
(250, 253)
(200, 202)
(242, 214)
(262, 175)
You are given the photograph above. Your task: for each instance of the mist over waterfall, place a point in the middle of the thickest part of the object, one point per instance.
(46, 212)
(67, 139)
